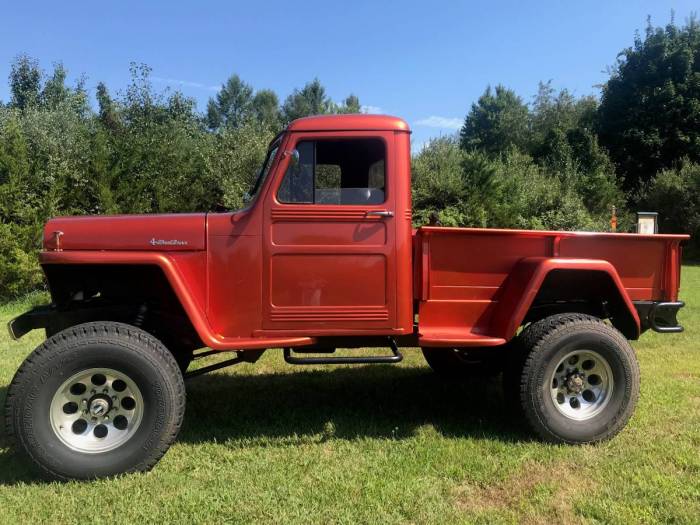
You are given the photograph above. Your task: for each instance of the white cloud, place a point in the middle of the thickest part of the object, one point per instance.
(372, 110)
(435, 121)
(184, 83)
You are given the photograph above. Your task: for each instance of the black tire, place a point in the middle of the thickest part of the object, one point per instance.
(543, 345)
(456, 362)
(183, 358)
(109, 345)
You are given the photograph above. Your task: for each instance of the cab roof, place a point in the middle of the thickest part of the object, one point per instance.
(349, 123)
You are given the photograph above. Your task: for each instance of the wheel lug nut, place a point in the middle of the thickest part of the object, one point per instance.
(114, 398)
(93, 391)
(105, 390)
(84, 401)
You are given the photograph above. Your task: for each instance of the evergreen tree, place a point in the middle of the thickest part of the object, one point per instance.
(232, 105)
(310, 100)
(497, 122)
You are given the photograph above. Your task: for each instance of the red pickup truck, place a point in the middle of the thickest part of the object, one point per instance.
(323, 257)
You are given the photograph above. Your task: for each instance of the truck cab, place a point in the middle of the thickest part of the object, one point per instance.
(325, 256)
(325, 245)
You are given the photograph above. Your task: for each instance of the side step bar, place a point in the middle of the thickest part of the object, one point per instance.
(396, 357)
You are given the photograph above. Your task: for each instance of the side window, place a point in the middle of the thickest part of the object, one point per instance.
(348, 172)
(298, 183)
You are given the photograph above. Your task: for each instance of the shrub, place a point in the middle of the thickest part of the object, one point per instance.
(675, 194)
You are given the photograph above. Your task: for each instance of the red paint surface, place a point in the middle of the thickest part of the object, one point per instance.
(482, 281)
(279, 274)
(172, 232)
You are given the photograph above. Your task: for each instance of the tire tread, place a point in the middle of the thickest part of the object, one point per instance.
(534, 339)
(112, 333)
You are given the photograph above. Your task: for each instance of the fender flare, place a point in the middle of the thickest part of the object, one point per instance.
(189, 304)
(526, 279)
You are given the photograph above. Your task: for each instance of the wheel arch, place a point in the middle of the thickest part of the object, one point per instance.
(137, 294)
(539, 287)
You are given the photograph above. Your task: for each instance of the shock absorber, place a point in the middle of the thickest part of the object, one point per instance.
(140, 316)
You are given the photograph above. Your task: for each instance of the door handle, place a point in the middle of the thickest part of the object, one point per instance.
(379, 213)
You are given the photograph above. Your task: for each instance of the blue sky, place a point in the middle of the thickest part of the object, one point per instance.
(424, 61)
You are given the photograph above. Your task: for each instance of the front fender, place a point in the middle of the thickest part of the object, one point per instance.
(187, 282)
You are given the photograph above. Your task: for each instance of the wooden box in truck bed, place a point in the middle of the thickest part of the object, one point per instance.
(474, 287)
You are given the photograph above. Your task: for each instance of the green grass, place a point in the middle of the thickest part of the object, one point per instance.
(272, 443)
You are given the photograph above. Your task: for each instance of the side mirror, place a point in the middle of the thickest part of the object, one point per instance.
(294, 157)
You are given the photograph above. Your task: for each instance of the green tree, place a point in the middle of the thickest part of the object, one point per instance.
(20, 213)
(310, 100)
(266, 108)
(564, 142)
(351, 104)
(15, 173)
(25, 82)
(55, 91)
(236, 159)
(438, 185)
(675, 194)
(649, 112)
(232, 105)
(510, 190)
(107, 113)
(497, 122)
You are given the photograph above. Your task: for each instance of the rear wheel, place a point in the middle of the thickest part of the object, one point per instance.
(95, 400)
(578, 379)
(458, 362)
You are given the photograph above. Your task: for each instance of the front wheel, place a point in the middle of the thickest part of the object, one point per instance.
(95, 400)
(579, 379)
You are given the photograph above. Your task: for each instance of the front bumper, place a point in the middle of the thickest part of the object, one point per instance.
(660, 316)
(35, 318)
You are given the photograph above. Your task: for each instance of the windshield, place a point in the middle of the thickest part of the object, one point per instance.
(264, 170)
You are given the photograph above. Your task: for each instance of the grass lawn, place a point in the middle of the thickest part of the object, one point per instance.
(274, 443)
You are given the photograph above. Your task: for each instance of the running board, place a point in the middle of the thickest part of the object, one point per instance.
(396, 357)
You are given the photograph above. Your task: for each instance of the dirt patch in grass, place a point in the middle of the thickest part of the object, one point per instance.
(686, 375)
(557, 483)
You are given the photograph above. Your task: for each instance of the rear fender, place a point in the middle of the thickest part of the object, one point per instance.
(528, 276)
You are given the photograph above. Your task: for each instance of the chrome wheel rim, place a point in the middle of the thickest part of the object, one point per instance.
(96, 410)
(581, 385)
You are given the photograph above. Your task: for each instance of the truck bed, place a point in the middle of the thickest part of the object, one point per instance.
(463, 277)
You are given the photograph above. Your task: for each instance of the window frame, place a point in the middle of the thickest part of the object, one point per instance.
(315, 140)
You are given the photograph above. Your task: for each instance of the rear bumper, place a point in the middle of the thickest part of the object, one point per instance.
(659, 316)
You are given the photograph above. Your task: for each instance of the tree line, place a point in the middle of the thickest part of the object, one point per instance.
(557, 162)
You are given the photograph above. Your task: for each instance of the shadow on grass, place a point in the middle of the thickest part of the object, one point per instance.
(370, 401)
(381, 402)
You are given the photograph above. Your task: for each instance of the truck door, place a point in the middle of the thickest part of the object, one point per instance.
(328, 236)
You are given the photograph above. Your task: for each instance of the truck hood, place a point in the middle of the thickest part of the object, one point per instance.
(173, 232)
